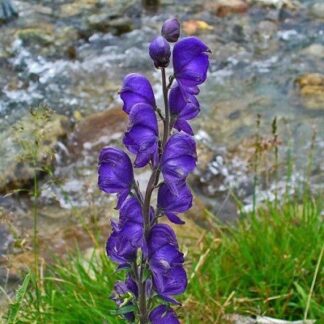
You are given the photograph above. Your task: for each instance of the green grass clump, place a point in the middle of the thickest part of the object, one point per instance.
(75, 290)
(263, 266)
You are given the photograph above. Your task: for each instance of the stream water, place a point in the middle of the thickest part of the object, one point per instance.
(64, 54)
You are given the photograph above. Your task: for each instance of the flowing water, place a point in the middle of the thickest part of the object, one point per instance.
(66, 55)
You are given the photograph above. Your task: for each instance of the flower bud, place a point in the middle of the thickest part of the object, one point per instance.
(160, 52)
(171, 30)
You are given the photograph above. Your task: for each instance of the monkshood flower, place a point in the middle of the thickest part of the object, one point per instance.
(171, 30)
(115, 173)
(160, 52)
(142, 135)
(166, 262)
(163, 315)
(183, 108)
(178, 160)
(136, 89)
(127, 235)
(170, 204)
(148, 251)
(190, 63)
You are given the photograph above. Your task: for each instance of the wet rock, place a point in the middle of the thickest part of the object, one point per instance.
(315, 50)
(77, 7)
(104, 23)
(317, 10)
(311, 89)
(7, 11)
(224, 8)
(192, 27)
(98, 130)
(266, 36)
(290, 4)
(42, 35)
(6, 238)
(30, 141)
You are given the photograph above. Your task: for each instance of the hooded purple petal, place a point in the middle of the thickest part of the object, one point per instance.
(160, 52)
(127, 235)
(178, 159)
(190, 63)
(131, 211)
(170, 283)
(115, 172)
(183, 107)
(171, 204)
(163, 315)
(120, 250)
(136, 89)
(141, 137)
(161, 235)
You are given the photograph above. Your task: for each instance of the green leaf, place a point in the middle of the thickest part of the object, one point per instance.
(15, 307)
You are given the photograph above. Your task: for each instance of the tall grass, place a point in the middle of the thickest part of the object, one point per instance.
(264, 266)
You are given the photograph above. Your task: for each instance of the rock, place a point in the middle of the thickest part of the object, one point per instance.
(7, 11)
(98, 130)
(77, 7)
(317, 10)
(315, 50)
(311, 89)
(290, 4)
(104, 22)
(41, 129)
(224, 8)
(192, 27)
(42, 35)
(6, 238)
(265, 37)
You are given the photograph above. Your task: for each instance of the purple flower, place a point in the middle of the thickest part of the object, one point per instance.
(122, 288)
(115, 173)
(190, 63)
(166, 262)
(178, 160)
(127, 235)
(136, 89)
(142, 136)
(183, 109)
(160, 52)
(170, 204)
(171, 30)
(163, 315)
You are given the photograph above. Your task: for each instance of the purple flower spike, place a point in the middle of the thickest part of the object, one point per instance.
(163, 315)
(160, 52)
(142, 135)
(178, 160)
(136, 89)
(171, 30)
(115, 173)
(183, 109)
(190, 63)
(171, 204)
